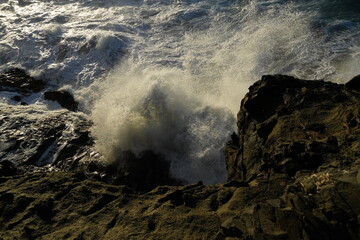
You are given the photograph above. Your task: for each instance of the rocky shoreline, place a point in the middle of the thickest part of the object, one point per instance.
(294, 172)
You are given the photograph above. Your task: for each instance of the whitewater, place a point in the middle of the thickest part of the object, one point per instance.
(169, 75)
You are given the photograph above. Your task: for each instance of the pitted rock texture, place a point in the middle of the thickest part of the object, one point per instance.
(59, 205)
(32, 136)
(16, 80)
(286, 125)
(294, 173)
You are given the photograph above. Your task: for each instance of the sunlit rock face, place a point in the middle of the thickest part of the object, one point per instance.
(287, 125)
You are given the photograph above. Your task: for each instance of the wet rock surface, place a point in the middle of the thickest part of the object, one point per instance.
(286, 125)
(64, 98)
(306, 135)
(33, 137)
(16, 80)
(294, 173)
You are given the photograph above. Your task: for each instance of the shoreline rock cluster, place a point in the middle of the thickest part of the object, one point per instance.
(17, 80)
(294, 173)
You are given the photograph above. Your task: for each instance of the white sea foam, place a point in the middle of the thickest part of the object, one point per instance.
(157, 109)
(185, 109)
(169, 75)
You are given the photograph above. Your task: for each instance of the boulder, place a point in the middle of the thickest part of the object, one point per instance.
(354, 83)
(142, 173)
(64, 98)
(286, 125)
(16, 80)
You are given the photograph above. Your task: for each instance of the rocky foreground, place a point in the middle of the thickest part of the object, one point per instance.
(294, 173)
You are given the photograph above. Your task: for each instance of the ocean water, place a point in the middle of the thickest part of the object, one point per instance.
(169, 75)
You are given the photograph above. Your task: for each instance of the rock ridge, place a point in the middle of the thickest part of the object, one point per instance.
(286, 125)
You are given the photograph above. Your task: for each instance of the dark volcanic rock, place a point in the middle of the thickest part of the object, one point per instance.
(16, 98)
(7, 168)
(33, 136)
(354, 83)
(286, 125)
(16, 80)
(64, 98)
(304, 136)
(35, 139)
(294, 173)
(143, 172)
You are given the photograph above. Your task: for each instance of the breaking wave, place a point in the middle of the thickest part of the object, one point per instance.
(169, 75)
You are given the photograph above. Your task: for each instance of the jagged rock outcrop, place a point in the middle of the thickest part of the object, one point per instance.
(16, 80)
(305, 133)
(64, 98)
(36, 139)
(294, 173)
(33, 137)
(286, 125)
(66, 206)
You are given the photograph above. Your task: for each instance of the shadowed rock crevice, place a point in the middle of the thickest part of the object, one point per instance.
(354, 83)
(142, 172)
(49, 138)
